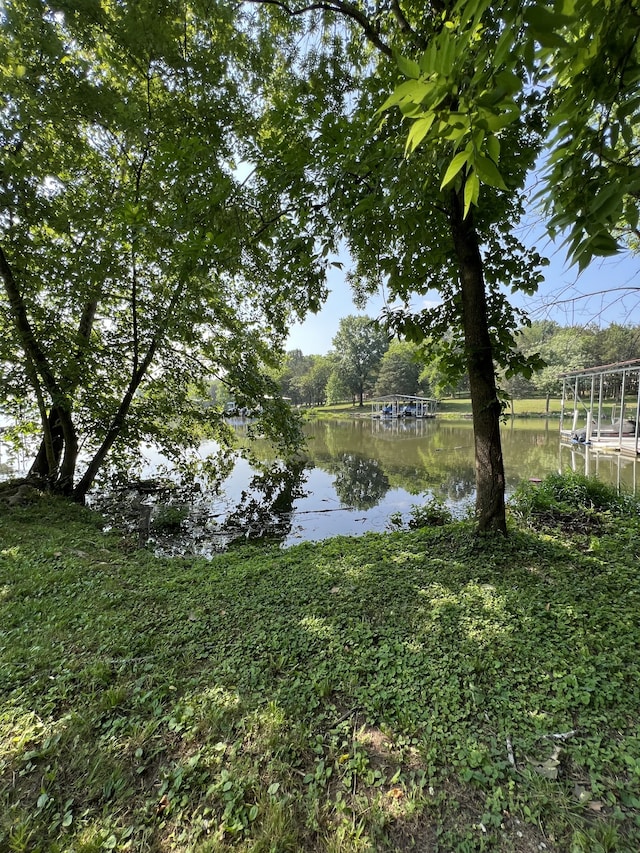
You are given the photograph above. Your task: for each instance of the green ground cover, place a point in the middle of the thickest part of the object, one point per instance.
(419, 690)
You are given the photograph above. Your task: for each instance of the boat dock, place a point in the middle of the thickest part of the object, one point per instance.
(601, 407)
(403, 406)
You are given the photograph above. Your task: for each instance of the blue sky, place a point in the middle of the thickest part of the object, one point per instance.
(601, 295)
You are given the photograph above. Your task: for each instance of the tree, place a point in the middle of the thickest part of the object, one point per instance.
(483, 82)
(562, 353)
(336, 389)
(291, 373)
(318, 377)
(584, 58)
(359, 345)
(399, 370)
(410, 231)
(135, 262)
(616, 343)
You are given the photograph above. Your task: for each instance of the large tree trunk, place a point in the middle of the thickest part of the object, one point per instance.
(43, 466)
(485, 406)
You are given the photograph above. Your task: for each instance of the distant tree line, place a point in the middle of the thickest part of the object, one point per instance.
(372, 365)
(364, 363)
(567, 348)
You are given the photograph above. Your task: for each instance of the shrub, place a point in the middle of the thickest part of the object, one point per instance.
(432, 513)
(570, 494)
(170, 518)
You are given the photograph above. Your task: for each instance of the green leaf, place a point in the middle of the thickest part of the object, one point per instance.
(606, 201)
(471, 191)
(498, 121)
(629, 107)
(631, 213)
(504, 46)
(447, 55)
(470, 10)
(408, 67)
(418, 131)
(428, 60)
(509, 81)
(603, 244)
(493, 148)
(545, 22)
(412, 90)
(458, 162)
(488, 172)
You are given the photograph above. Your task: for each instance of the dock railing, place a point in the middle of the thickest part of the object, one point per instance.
(613, 388)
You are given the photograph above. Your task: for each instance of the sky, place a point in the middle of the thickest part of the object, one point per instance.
(603, 294)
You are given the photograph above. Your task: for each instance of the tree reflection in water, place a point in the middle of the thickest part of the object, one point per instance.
(265, 509)
(360, 482)
(458, 483)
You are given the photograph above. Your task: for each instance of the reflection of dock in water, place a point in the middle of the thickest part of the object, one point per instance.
(402, 427)
(595, 461)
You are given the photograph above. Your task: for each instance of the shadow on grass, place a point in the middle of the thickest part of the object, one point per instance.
(420, 690)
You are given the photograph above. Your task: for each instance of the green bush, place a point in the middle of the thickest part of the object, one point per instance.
(570, 494)
(170, 518)
(432, 513)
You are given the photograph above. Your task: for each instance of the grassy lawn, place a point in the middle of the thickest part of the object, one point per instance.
(339, 410)
(418, 690)
(460, 407)
(532, 407)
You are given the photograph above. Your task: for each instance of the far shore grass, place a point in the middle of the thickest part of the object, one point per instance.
(423, 690)
(530, 407)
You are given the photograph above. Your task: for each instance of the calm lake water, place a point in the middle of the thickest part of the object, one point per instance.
(359, 472)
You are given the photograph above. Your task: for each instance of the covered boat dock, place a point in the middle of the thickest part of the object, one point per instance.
(403, 406)
(601, 407)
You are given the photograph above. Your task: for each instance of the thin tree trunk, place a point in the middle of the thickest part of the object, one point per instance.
(67, 472)
(80, 491)
(28, 340)
(490, 479)
(50, 450)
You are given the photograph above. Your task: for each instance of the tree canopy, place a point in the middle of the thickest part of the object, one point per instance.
(359, 345)
(136, 259)
(400, 370)
(582, 58)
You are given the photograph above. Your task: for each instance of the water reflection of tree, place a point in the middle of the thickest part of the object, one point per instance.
(359, 482)
(266, 507)
(458, 484)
